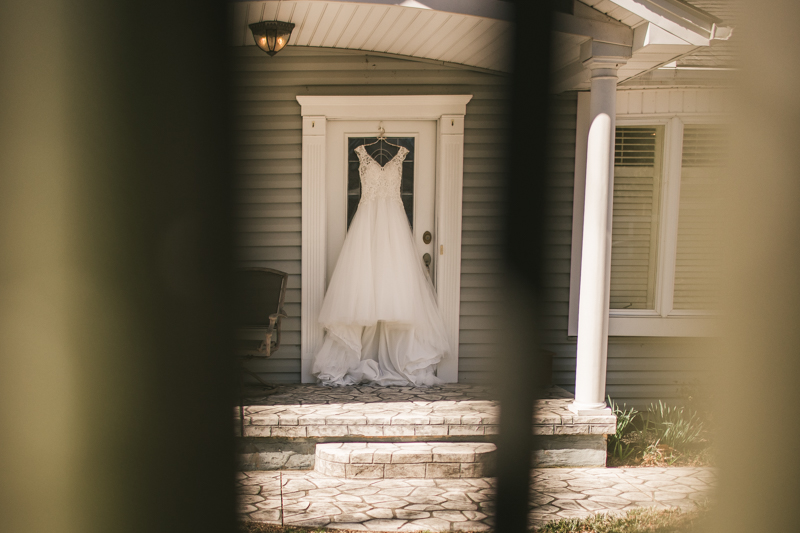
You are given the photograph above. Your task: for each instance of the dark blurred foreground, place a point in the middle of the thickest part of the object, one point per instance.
(114, 259)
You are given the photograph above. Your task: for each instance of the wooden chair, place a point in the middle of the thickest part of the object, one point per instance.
(259, 298)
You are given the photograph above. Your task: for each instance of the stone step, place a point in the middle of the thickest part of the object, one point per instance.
(282, 429)
(308, 411)
(405, 460)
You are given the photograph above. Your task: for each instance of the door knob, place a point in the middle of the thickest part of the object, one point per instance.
(427, 260)
(426, 237)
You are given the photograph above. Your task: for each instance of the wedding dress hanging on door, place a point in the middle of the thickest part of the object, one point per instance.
(382, 324)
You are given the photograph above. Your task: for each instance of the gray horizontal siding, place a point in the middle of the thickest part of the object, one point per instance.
(268, 152)
(485, 136)
(267, 136)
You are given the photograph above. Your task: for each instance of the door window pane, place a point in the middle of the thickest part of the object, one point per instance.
(634, 241)
(382, 153)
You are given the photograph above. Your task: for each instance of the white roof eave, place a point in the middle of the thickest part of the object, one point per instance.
(670, 29)
(680, 19)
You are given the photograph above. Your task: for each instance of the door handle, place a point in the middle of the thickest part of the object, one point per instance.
(427, 260)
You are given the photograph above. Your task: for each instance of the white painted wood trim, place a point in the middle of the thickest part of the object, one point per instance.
(687, 22)
(449, 183)
(686, 313)
(579, 193)
(652, 102)
(694, 326)
(412, 107)
(448, 111)
(672, 108)
(627, 313)
(670, 206)
(313, 241)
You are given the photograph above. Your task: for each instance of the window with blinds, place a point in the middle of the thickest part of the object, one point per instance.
(637, 187)
(696, 267)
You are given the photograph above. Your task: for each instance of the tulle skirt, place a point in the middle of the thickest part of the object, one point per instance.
(382, 324)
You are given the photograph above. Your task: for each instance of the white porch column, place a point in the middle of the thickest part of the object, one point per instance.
(590, 372)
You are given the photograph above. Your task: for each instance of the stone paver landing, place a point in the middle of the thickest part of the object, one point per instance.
(386, 460)
(317, 500)
(451, 410)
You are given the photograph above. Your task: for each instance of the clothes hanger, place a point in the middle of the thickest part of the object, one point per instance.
(382, 137)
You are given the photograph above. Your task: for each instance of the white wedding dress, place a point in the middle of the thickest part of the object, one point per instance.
(380, 315)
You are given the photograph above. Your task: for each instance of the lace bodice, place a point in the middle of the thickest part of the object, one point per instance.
(380, 181)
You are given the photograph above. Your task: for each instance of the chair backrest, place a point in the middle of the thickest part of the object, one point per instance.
(259, 293)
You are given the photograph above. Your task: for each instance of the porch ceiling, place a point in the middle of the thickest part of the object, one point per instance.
(473, 33)
(479, 33)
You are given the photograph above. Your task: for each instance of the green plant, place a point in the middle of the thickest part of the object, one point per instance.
(625, 418)
(675, 427)
(696, 395)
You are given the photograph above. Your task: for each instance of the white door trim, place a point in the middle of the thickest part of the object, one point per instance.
(448, 111)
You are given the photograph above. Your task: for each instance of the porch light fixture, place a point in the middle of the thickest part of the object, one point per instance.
(271, 35)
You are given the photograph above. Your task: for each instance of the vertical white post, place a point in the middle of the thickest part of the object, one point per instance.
(590, 371)
(449, 184)
(313, 245)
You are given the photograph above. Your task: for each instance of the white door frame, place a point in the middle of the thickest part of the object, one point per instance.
(448, 111)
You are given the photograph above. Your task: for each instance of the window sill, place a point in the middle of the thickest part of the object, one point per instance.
(679, 324)
(672, 326)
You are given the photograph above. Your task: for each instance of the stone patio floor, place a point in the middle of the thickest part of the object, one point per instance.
(308, 498)
(312, 411)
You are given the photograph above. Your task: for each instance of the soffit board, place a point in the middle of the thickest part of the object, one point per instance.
(409, 28)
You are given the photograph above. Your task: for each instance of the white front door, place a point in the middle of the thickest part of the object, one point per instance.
(343, 188)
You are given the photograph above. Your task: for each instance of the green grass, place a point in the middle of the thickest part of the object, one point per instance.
(258, 527)
(636, 521)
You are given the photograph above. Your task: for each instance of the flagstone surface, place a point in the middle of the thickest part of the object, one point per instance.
(389, 460)
(457, 410)
(313, 499)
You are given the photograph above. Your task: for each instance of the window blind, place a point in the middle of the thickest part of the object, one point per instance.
(637, 179)
(696, 267)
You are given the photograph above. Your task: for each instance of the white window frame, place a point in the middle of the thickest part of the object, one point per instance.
(663, 320)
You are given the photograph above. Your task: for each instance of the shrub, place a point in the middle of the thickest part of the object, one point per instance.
(617, 447)
(662, 436)
(696, 395)
(675, 427)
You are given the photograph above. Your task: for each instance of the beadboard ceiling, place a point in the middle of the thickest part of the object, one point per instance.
(406, 30)
(474, 33)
